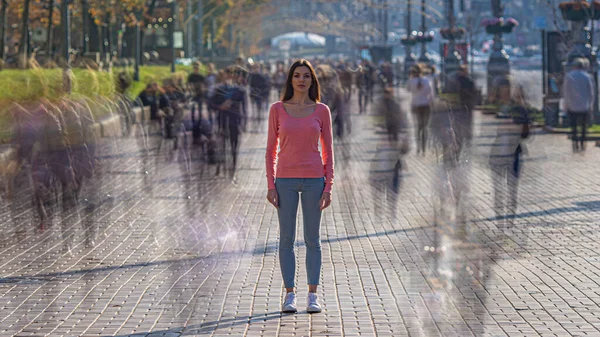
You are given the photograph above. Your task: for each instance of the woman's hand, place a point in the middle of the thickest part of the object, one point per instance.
(273, 198)
(325, 200)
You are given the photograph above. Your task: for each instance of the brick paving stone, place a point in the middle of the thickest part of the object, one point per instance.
(181, 252)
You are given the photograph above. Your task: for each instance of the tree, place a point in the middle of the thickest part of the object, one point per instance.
(49, 29)
(64, 23)
(3, 21)
(24, 44)
(107, 15)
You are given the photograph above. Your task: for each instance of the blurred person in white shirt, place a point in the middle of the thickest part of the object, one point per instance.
(422, 92)
(579, 96)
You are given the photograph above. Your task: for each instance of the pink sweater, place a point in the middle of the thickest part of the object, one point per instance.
(298, 141)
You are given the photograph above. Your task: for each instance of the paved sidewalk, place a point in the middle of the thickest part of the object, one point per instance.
(169, 249)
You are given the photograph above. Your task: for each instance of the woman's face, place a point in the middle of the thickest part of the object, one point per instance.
(301, 79)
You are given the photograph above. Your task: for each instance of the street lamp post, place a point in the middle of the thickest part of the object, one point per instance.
(189, 28)
(580, 35)
(199, 30)
(409, 59)
(85, 21)
(424, 55)
(172, 33)
(498, 65)
(452, 60)
(138, 47)
(582, 48)
(385, 14)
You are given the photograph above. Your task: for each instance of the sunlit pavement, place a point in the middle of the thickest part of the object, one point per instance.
(169, 249)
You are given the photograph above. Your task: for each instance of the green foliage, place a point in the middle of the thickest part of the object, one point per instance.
(98, 88)
(22, 86)
(149, 74)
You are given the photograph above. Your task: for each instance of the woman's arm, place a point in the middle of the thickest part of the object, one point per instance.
(272, 143)
(327, 147)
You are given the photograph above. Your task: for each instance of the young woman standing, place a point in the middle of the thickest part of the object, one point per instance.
(300, 171)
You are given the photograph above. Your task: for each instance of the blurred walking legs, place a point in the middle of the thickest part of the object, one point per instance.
(578, 119)
(421, 119)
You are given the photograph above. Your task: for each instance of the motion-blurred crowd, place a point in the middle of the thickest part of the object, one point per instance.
(57, 149)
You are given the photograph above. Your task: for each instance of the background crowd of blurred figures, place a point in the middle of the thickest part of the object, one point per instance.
(59, 157)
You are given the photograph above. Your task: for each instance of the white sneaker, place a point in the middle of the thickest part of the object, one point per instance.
(289, 304)
(313, 305)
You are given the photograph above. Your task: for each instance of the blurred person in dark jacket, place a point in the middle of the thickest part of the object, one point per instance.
(148, 97)
(396, 123)
(257, 82)
(463, 113)
(196, 85)
(230, 102)
(171, 109)
(332, 94)
(362, 83)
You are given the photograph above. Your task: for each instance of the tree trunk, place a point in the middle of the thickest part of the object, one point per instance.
(23, 46)
(65, 39)
(4, 4)
(50, 30)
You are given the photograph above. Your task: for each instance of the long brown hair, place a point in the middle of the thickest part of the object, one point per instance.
(314, 92)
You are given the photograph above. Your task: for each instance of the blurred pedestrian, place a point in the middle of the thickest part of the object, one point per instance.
(196, 85)
(230, 102)
(433, 77)
(332, 95)
(463, 111)
(297, 125)
(346, 78)
(396, 125)
(579, 96)
(257, 82)
(422, 98)
(387, 74)
(362, 83)
(505, 156)
(210, 82)
(171, 104)
(370, 78)
(148, 97)
(265, 91)
(278, 79)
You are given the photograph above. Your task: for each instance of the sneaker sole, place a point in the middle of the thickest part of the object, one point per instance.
(313, 311)
(289, 311)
